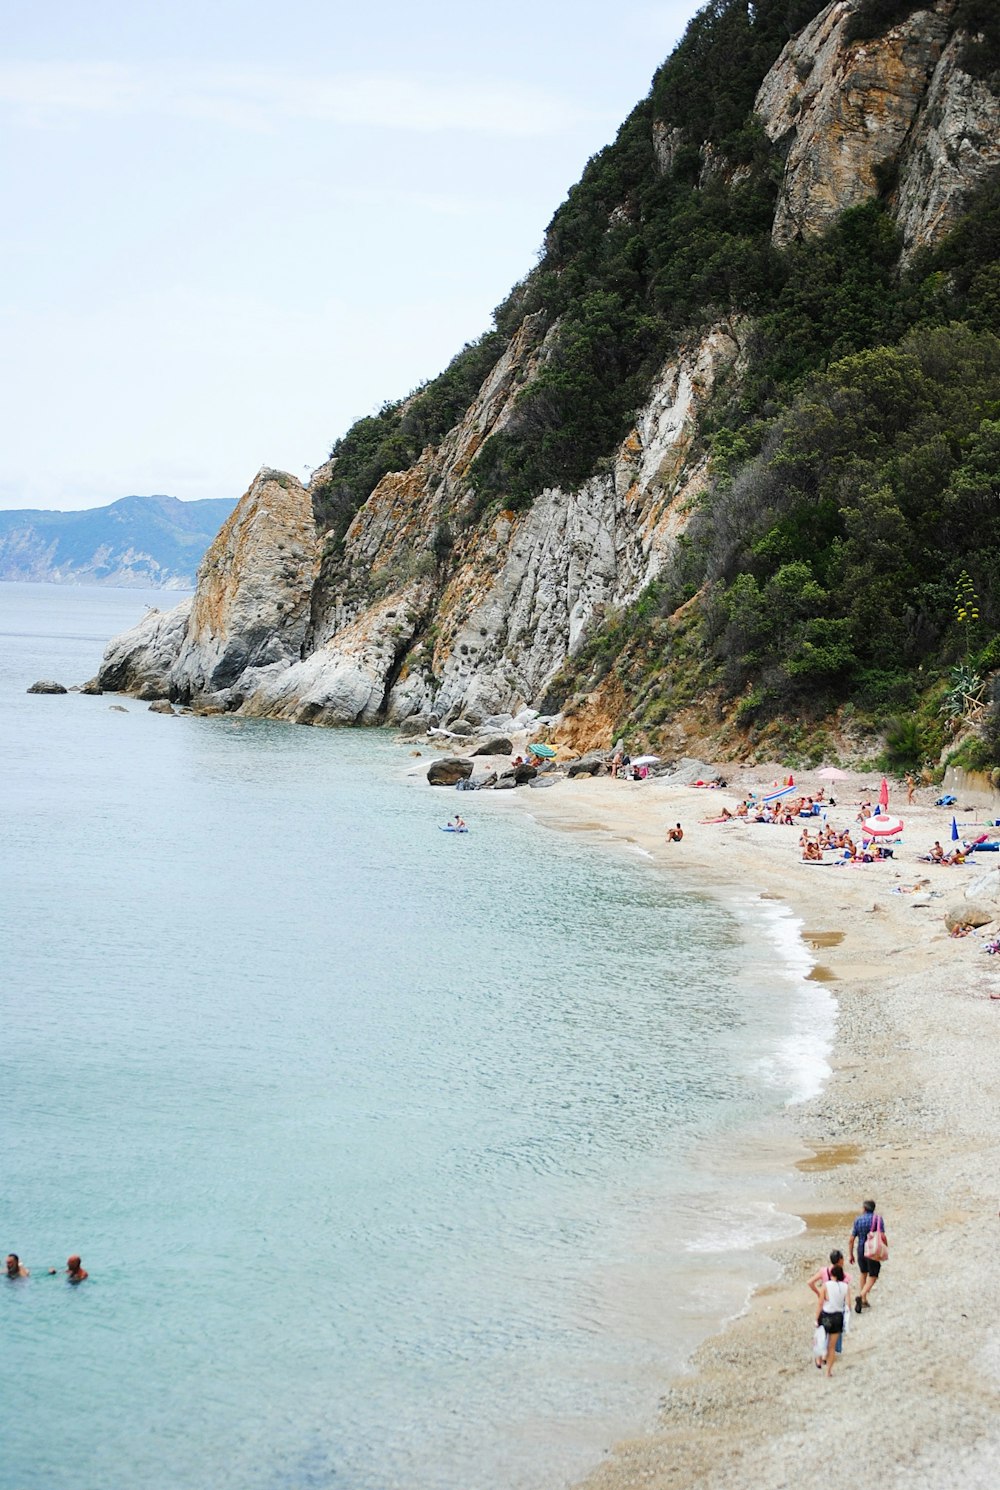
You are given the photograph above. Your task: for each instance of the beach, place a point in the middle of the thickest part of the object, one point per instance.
(907, 1117)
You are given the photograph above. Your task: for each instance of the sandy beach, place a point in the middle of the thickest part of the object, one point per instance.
(908, 1117)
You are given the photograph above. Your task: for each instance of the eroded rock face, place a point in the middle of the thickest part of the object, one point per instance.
(844, 110)
(145, 656)
(524, 594)
(954, 146)
(251, 608)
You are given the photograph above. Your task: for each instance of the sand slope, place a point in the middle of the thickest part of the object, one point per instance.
(910, 1117)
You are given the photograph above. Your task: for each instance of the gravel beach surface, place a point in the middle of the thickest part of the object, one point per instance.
(909, 1117)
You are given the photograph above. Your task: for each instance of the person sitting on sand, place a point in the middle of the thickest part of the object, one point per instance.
(743, 809)
(674, 835)
(14, 1268)
(936, 855)
(812, 853)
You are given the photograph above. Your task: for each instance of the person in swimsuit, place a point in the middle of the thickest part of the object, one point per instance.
(674, 835)
(14, 1268)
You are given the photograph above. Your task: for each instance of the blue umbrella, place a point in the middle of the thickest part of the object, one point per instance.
(954, 830)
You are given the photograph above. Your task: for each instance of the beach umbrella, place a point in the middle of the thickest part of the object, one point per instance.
(545, 751)
(831, 773)
(645, 760)
(882, 827)
(883, 794)
(954, 831)
(782, 791)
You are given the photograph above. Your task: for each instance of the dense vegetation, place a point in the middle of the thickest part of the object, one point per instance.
(855, 490)
(392, 439)
(832, 550)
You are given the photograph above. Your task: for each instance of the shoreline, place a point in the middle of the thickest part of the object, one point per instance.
(907, 1114)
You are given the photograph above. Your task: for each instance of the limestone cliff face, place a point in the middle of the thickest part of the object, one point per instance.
(853, 115)
(250, 610)
(427, 606)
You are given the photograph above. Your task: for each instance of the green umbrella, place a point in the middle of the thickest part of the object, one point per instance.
(545, 751)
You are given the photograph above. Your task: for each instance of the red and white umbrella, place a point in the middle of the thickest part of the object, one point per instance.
(882, 827)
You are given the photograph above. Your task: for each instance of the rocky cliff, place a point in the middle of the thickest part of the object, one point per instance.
(438, 601)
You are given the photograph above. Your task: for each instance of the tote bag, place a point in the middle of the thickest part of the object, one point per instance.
(876, 1246)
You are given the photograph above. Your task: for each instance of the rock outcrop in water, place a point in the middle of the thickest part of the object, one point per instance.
(423, 604)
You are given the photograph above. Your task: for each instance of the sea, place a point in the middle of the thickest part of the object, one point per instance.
(398, 1160)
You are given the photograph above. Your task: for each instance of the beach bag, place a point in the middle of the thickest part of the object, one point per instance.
(819, 1342)
(876, 1246)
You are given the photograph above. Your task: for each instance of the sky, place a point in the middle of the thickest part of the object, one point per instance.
(232, 228)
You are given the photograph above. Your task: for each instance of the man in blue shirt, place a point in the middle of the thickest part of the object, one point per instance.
(867, 1266)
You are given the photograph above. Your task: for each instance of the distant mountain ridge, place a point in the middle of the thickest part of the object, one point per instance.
(154, 542)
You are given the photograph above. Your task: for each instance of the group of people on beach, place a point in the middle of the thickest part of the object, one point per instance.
(833, 1288)
(75, 1270)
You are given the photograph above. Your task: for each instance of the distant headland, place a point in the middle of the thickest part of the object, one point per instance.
(149, 542)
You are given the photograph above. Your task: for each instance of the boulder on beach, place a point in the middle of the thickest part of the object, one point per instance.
(462, 727)
(587, 765)
(92, 686)
(969, 914)
(161, 706)
(449, 771)
(46, 685)
(500, 745)
(415, 724)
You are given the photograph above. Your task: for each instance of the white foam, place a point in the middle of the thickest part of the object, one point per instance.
(799, 1064)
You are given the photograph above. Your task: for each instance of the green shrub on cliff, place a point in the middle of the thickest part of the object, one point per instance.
(393, 439)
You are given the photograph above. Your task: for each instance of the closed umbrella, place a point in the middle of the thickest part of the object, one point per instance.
(954, 831)
(882, 827)
(883, 794)
(831, 773)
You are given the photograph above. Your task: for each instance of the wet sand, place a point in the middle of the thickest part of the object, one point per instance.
(908, 1117)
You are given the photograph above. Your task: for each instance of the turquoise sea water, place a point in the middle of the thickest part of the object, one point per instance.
(385, 1148)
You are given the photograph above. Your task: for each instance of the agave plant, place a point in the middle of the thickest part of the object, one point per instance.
(965, 692)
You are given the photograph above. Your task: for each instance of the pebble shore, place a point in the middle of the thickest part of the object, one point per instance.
(909, 1117)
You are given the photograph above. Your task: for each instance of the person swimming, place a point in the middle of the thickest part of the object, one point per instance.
(75, 1270)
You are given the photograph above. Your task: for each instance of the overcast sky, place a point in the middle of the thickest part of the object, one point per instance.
(231, 228)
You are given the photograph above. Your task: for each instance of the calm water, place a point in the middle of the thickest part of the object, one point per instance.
(385, 1149)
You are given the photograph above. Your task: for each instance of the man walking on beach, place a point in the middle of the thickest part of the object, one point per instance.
(867, 1266)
